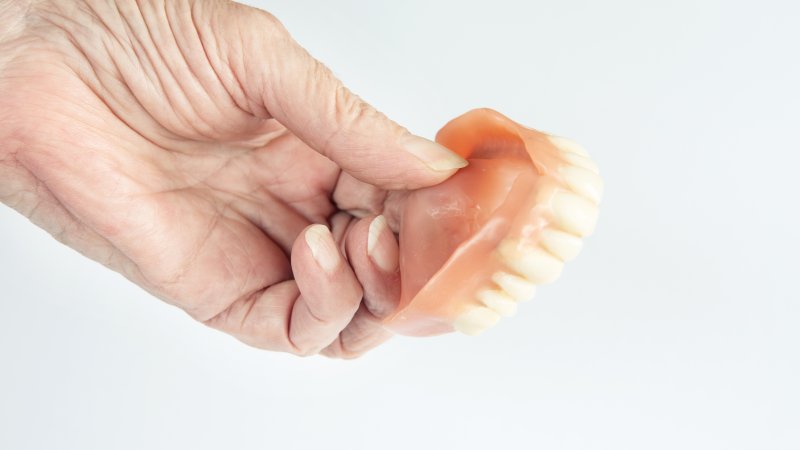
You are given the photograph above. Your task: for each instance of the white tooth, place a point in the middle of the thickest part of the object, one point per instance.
(475, 321)
(568, 145)
(580, 161)
(535, 264)
(583, 182)
(518, 288)
(564, 245)
(546, 189)
(498, 301)
(574, 213)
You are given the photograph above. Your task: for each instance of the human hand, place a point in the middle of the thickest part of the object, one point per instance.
(190, 146)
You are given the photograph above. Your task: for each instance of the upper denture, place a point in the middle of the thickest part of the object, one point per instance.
(473, 246)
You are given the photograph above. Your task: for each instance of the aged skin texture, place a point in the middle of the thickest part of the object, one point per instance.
(200, 151)
(475, 245)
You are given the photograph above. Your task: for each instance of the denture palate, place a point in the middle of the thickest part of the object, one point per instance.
(475, 246)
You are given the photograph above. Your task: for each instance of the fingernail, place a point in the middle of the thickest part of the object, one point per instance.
(383, 253)
(323, 249)
(433, 155)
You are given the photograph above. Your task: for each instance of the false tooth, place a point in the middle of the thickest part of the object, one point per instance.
(568, 145)
(583, 182)
(498, 301)
(580, 161)
(547, 188)
(537, 265)
(475, 321)
(574, 213)
(518, 288)
(563, 245)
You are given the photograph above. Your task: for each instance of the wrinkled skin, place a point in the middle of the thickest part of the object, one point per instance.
(188, 145)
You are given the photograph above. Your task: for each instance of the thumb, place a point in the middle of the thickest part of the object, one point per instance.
(305, 97)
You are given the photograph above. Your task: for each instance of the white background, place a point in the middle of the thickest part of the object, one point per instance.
(676, 328)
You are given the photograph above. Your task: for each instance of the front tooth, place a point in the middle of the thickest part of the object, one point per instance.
(574, 213)
(537, 265)
(518, 288)
(580, 161)
(564, 245)
(475, 321)
(583, 182)
(498, 301)
(568, 145)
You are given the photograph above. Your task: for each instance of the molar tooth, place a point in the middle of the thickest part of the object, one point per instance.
(574, 213)
(498, 301)
(568, 145)
(537, 265)
(518, 288)
(580, 161)
(475, 321)
(583, 182)
(564, 245)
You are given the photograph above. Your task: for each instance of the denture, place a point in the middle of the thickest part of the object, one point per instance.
(475, 246)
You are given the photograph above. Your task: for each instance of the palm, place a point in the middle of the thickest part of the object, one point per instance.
(223, 215)
(204, 228)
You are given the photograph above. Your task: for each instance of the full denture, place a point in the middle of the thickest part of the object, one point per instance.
(474, 246)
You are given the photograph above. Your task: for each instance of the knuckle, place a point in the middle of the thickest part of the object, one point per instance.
(349, 107)
(351, 113)
(271, 22)
(346, 111)
(253, 18)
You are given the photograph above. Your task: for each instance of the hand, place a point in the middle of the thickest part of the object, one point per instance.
(190, 146)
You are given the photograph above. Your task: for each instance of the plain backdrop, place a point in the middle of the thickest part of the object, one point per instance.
(676, 328)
